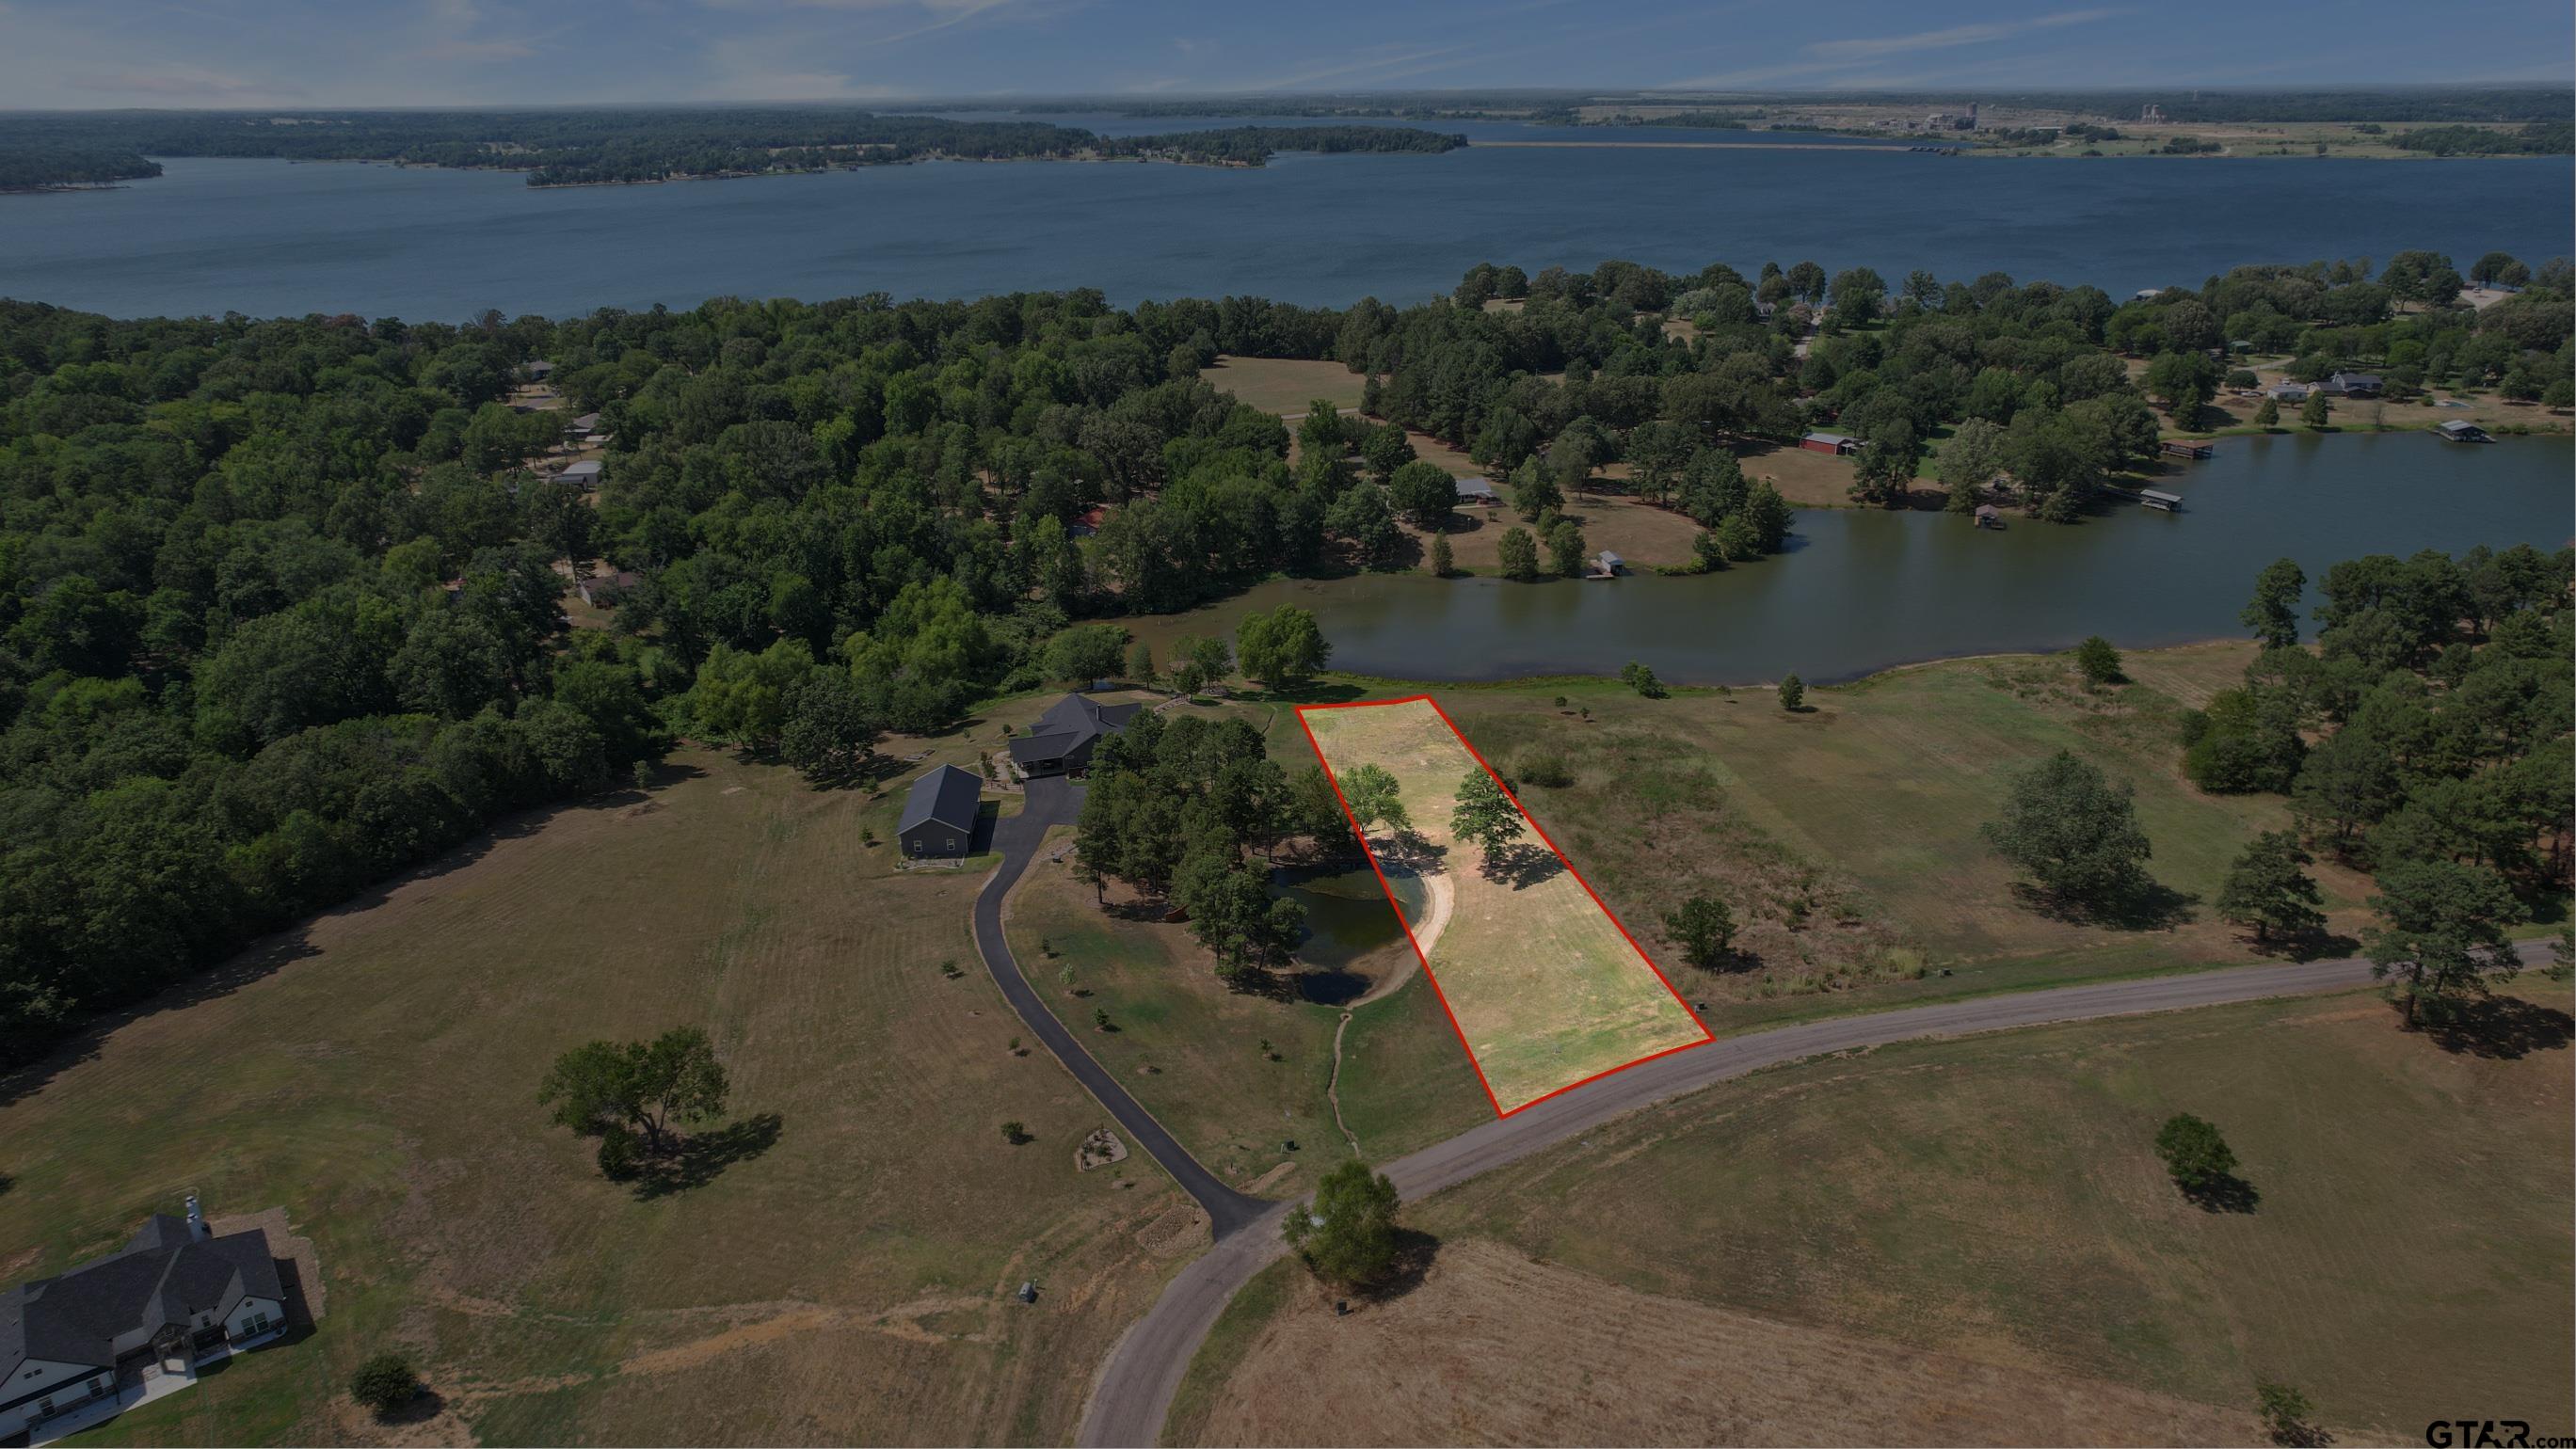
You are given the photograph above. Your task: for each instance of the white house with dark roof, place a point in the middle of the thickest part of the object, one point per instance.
(92, 1342)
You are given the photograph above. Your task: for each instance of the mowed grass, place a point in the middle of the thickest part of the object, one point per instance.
(1284, 385)
(375, 1072)
(1543, 985)
(1846, 837)
(2407, 1258)
(1190, 1047)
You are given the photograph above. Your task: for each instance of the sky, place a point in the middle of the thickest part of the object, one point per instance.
(85, 54)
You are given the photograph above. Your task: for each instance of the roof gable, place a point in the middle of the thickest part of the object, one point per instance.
(946, 795)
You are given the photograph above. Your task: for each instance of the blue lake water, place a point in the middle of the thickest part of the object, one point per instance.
(270, 237)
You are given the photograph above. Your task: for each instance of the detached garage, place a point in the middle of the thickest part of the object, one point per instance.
(939, 814)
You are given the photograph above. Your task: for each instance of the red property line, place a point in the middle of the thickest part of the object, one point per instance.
(1705, 1035)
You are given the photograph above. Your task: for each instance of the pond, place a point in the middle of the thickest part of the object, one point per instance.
(1347, 924)
(1860, 591)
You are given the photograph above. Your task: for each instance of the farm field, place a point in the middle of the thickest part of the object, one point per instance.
(1545, 988)
(1779, 1259)
(849, 1241)
(1846, 836)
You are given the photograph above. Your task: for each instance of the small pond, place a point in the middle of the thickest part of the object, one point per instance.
(1347, 923)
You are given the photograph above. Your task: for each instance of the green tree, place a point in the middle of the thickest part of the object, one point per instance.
(1883, 476)
(2073, 831)
(1443, 561)
(2099, 661)
(2315, 411)
(1140, 664)
(1282, 648)
(1534, 491)
(741, 698)
(1704, 927)
(2267, 413)
(2273, 612)
(831, 728)
(2440, 935)
(1518, 552)
(1565, 549)
(1375, 799)
(1485, 816)
(607, 1089)
(384, 1383)
(1969, 461)
(2268, 889)
(1425, 494)
(2195, 1155)
(1640, 678)
(1793, 693)
(1347, 1234)
(2286, 1413)
(1386, 450)
(1210, 656)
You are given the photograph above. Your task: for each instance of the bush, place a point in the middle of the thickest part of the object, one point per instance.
(1793, 692)
(619, 1155)
(1642, 679)
(384, 1383)
(1548, 769)
(2099, 661)
(2194, 1153)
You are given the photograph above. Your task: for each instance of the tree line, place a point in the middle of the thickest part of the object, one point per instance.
(568, 148)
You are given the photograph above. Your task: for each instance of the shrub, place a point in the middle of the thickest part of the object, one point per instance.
(384, 1383)
(1642, 679)
(2194, 1153)
(1015, 1132)
(2099, 661)
(1793, 692)
(1547, 769)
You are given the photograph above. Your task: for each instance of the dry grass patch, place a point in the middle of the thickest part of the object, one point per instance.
(1544, 987)
(1284, 385)
(1641, 533)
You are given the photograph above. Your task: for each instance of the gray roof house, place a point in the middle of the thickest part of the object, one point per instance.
(1062, 740)
(1475, 490)
(939, 815)
(2351, 384)
(585, 473)
(173, 1297)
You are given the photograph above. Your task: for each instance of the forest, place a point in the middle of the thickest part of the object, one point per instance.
(283, 602)
(40, 167)
(588, 147)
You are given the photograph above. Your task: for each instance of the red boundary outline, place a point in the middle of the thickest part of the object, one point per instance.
(1705, 1035)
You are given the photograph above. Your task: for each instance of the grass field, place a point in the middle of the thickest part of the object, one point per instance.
(852, 1246)
(1284, 385)
(1846, 837)
(1993, 1202)
(1545, 988)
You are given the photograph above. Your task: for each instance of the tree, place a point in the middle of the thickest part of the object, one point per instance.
(2186, 381)
(831, 729)
(2285, 1413)
(1969, 462)
(2099, 661)
(1210, 656)
(1282, 648)
(2273, 612)
(1704, 927)
(2314, 412)
(2441, 934)
(1140, 664)
(1642, 679)
(1485, 815)
(2498, 267)
(2072, 830)
(384, 1383)
(2267, 413)
(1425, 494)
(1793, 693)
(1534, 491)
(1565, 549)
(2195, 1155)
(1518, 552)
(1386, 450)
(1372, 794)
(1347, 1234)
(619, 1090)
(1884, 474)
(1085, 652)
(2268, 890)
(1443, 561)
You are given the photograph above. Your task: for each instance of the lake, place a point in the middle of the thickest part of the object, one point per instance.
(275, 238)
(1860, 591)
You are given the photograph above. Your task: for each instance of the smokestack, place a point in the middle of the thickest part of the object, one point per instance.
(196, 1220)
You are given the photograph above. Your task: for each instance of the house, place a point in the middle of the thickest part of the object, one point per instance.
(537, 371)
(1479, 491)
(2287, 392)
(1989, 516)
(605, 590)
(585, 424)
(585, 473)
(2158, 498)
(2460, 430)
(135, 1324)
(939, 815)
(2189, 448)
(1836, 443)
(1062, 740)
(2351, 384)
(1606, 565)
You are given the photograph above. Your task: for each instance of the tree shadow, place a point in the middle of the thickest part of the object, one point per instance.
(1521, 865)
(2225, 1193)
(424, 1405)
(1415, 1251)
(2146, 905)
(2502, 1028)
(2307, 946)
(702, 1158)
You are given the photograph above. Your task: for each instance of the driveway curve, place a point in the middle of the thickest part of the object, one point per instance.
(1134, 1389)
(1049, 802)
